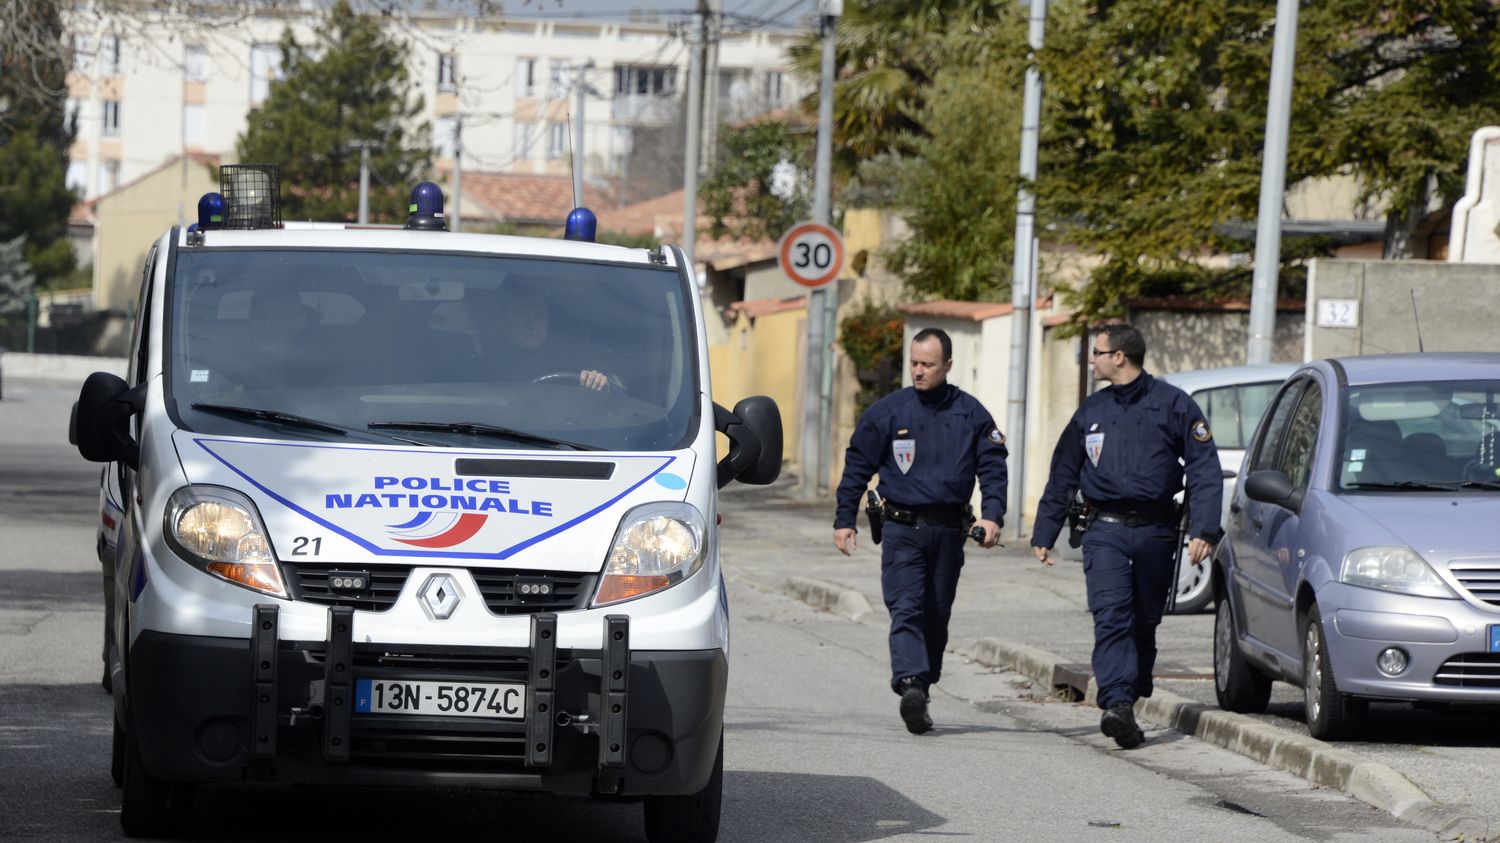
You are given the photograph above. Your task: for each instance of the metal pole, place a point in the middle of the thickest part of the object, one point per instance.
(814, 462)
(1272, 186)
(455, 218)
(710, 85)
(690, 152)
(579, 88)
(364, 182)
(1023, 277)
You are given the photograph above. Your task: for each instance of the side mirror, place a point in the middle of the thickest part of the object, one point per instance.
(1271, 486)
(754, 431)
(100, 424)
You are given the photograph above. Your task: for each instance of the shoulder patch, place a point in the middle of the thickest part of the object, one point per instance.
(995, 435)
(1201, 432)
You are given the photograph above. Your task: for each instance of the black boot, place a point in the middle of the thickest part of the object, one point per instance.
(913, 693)
(1119, 723)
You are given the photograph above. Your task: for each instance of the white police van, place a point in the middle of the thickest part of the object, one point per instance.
(412, 507)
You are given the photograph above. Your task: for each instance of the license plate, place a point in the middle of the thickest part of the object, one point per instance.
(1495, 638)
(503, 700)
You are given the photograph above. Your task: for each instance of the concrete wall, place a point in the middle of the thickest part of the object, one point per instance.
(131, 219)
(1181, 340)
(1456, 304)
(761, 357)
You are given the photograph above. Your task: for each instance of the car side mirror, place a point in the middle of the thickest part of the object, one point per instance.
(754, 431)
(1271, 486)
(100, 422)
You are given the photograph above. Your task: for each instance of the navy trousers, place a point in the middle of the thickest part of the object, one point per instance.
(1127, 571)
(919, 567)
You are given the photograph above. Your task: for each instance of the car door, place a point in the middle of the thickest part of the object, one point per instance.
(1284, 526)
(1254, 568)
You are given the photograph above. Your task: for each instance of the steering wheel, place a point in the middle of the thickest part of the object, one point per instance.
(613, 384)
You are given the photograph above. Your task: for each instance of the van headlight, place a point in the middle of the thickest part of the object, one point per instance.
(1398, 569)
(218, 530)
(657, 546)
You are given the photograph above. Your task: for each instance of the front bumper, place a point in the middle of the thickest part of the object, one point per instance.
(1446, 643)
(604, 721)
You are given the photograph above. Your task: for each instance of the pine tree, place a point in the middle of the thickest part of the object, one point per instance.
(16, 280)
(351, 84)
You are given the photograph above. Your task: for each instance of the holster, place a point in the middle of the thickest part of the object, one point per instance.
(1078, 521)
(875, 511)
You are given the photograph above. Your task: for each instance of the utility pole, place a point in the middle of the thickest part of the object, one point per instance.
(713, 21)
(815, 415)
(1023, 275)
(1272, 186)
(690, 152)
(364, 177)
(580, 93)
(454, 206)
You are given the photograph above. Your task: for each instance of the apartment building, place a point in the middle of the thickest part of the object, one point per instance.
(152, 88)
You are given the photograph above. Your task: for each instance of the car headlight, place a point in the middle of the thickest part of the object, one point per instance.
(218, 530)
(657, 546)
(1398, 569)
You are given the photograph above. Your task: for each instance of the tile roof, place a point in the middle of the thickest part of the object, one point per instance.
(977, 311)
(522, 198)
(764, 307)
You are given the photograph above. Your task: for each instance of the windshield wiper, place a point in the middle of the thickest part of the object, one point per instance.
(1481, 484)
(289, 419)
(478, 429)
(1419, 485)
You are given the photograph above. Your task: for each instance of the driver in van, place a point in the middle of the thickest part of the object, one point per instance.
(524, 322)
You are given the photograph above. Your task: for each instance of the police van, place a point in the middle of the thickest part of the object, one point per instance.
(404, 506)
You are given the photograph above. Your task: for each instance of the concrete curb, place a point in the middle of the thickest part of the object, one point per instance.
(832, 597)
(1318, 762)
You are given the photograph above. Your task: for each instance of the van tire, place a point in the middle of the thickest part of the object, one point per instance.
(117, 755)
(693, 818)
(149, 806)
(1331, 716)
(1238, 685)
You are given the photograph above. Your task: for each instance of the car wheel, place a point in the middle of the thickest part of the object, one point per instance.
(1238, 685)
(149, 806)
(1195, 591)
(693, 818)
(1331, 716)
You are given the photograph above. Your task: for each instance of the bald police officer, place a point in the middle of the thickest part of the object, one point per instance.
(1126, 449)
(928, 442)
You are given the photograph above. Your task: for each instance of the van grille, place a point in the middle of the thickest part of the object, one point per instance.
(499, 588)
(487, 747)
(1480, 577)
(1470, 670)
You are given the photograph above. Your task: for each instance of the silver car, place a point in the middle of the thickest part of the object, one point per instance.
(1361, 558)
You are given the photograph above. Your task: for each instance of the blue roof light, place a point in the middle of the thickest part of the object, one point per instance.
(426, 208)
(582, 225)
(210, 212)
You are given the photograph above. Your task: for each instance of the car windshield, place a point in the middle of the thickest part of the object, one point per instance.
(435, 349)
(1437, 436)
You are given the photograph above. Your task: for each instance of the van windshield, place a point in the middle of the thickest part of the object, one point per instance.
(438, 349)
(1435, 436)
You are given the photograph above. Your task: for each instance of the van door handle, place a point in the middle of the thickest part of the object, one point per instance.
(1234, 507)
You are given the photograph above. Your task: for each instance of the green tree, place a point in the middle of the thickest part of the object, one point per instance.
(16, 281)
(763, 182)
(350, 84)
(35, 135)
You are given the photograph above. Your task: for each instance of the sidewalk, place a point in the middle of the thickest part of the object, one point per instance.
(1014, 613)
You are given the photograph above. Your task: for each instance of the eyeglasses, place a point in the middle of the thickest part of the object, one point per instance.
(1095, 352)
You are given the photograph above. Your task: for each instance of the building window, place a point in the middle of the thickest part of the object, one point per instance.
(83, 54)
(638, 80)
(265, 68)
(525, 137)
(195, 63)
(78, 176)
(445, 134)
(111, 118)
(525, 77)
(775, 94)
(447, 72)
(109, 56)
(194, 125)
(557, 140)
(557, 83)
(109, 175)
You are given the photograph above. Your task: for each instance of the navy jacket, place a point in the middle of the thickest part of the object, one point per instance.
(1127, 447)
(944, 440)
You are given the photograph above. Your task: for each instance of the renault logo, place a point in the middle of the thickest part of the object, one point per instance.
(440, 596)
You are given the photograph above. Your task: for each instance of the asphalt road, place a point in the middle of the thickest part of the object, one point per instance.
(814, 749)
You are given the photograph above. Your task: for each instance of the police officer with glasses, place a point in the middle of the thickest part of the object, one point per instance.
(1125, 449)
(928, 443)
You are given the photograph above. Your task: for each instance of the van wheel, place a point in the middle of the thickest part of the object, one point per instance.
(688, 819)
(149, 806)
(1331, 716)
(117, 755)
(1238, 685)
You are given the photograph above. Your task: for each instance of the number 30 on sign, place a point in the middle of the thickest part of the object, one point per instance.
(810, 253)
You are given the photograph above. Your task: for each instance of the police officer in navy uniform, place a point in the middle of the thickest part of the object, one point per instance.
(1126, 449)
(928, 442)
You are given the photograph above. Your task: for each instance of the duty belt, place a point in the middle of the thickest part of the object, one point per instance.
(1135, 517)
(944, 516)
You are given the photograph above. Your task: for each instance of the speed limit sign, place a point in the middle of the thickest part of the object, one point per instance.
(811, 253)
